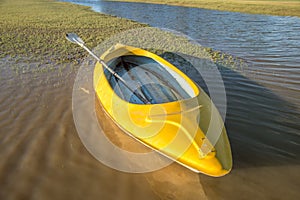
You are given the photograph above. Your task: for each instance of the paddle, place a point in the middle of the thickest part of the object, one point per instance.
(72, 37)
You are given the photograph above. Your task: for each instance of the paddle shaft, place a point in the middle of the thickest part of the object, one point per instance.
(144, 100)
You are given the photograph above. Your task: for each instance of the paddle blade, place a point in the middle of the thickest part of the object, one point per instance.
(74, 38)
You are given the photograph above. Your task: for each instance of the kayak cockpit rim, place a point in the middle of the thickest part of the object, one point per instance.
(151, 76)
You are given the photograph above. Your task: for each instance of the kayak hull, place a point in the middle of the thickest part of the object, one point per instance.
(168, 125)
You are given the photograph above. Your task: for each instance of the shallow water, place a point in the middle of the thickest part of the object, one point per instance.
(43, 157)
(263, 98)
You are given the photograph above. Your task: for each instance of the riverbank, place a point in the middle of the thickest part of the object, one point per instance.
(36, 29)
(269, 7)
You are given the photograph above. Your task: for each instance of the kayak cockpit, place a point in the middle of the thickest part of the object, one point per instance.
(152, 80)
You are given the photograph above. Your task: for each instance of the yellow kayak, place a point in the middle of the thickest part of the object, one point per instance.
(162, 108)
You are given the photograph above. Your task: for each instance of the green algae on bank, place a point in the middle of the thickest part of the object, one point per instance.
(268, 7)
(36, 29)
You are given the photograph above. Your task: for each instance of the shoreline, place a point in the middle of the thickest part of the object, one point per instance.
(261, 7)
(38, 31)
